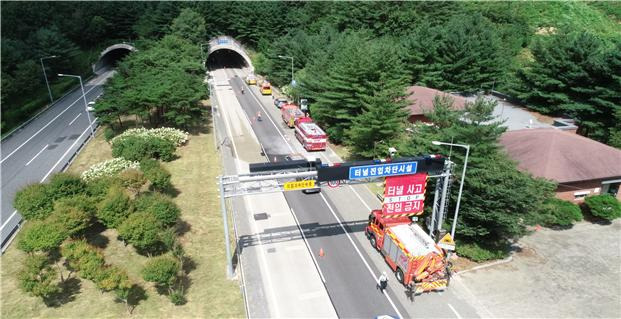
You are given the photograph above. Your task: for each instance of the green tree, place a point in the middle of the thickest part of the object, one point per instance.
(66, 185)
(132, 179)
(41, 236)
(38, 277)
(382, 120)
(577, 74)
(114, 208)
(34, 201)
(498, 200)
(604, 206)
(161, 206)
(189, 25)
(28, 76)
(142, 231)
(84, 258)
(161, 270)
(72, 219)
(156, 174)
(112, 278)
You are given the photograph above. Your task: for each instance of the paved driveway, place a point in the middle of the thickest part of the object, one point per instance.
(573, 273)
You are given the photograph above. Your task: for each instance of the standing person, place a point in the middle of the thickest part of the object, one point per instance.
(259, 116)
(383, 281)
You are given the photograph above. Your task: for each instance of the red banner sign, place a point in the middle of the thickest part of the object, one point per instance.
(405, 194)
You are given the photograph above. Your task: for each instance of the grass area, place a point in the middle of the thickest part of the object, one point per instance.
(210, 294)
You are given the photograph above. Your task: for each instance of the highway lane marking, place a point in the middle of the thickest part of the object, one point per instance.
(333, 213)
(41, 151)
(310, 251)
(8, 219)
(454, 311)
(252, 223)
(46, 125)
(360, 254)
(65, 154)
(269, 117)
(74, 119)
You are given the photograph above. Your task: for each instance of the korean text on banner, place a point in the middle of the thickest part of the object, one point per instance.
(405, 194)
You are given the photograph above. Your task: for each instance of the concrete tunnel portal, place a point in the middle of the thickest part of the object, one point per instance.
(223, 52)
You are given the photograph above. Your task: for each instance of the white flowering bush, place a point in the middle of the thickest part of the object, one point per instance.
(176, 136)
(109, 168)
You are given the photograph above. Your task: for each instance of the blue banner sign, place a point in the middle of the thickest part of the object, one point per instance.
(380, 170)
(223, 41)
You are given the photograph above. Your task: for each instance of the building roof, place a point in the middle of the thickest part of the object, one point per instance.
(421, 99)
(561, 156)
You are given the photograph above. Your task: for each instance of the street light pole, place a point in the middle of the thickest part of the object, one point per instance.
(461, 185)
(45, 76)
(90, 123)
(288, 57)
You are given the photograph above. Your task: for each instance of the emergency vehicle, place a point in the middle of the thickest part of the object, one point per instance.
(310, 135)
(266, 88)
(290, 113)
(418, 262)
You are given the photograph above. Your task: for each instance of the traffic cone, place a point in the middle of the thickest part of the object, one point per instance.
(321, 253)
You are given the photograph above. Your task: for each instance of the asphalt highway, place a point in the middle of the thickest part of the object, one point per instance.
(334, 221)
(44, 146)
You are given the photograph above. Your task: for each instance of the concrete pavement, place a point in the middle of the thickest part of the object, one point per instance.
(280, 278)
(351, 285)
(43, 147)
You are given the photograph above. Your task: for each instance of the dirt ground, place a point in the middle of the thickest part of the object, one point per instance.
(574, 273)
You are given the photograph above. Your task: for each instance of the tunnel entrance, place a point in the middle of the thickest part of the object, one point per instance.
(111, 56)
(225, 58)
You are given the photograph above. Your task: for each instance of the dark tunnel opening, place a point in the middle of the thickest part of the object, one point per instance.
(112, 58)
(225, 58)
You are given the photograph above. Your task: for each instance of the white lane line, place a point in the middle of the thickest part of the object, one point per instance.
(269, 117)
(308, 246)
(225, 118)
(454, 311)
(360, 198)
(74, 119)
(8, 219)
(360, 254)
(66, 152)
(41, 151)
(46, 125)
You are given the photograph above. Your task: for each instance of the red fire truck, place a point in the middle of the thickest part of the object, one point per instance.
(290, 113)
(312, 137)
(412, 254)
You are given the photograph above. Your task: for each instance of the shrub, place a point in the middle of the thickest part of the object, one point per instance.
(98, 188)
(177, 137)
(161, 206)
(34, 201)
(84, 258)
(136, 148)
(83, 202)
(109, 134)
(156, 174)
(71, 219)
(114, 208)
(111, 278)
(479, 253)
(161, 270)
(108, 168)
(132, 179)
(176, 297)
(37, 277)
(41, 236)
(141, 230)
(560, 212)
(65, 185)
(604, 206)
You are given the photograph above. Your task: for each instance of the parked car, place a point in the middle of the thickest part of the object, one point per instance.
(279, 102)
(91, 106)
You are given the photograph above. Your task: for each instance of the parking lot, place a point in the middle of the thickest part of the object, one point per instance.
(574, 273)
